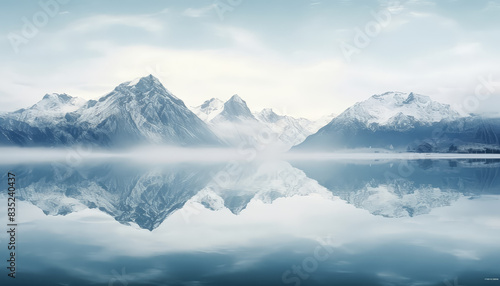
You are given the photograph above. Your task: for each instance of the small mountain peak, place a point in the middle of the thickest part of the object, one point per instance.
(144, 81)
(150, 78)
(236, 102)
(209, 109)
(267, 111)
(235, 109)
(63, 97)
(55, 103)
(417, 98)
(236, 98)
(388, 94)
(268, 115)
(49, 96)
(210, 102)
(410, 98)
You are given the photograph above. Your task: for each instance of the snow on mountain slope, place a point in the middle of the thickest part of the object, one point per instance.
(137, 98)
(322, 121)
(236, 125)
(392, 107)
(291, 131)
(234, 110)
(398, 120)
(144, 110)
(135, 112)
(234, 122)
(51, 109)
(209, 109)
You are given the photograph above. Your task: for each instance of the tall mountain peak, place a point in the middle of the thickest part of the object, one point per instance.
(143, 110)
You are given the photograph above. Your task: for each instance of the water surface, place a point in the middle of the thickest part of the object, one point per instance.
(330, 222)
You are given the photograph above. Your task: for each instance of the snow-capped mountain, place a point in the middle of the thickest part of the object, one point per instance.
(144, 111)
(402, 121)
(233, 122)
(398, 110)
(236, 123)
(140, 111)
(52, 107)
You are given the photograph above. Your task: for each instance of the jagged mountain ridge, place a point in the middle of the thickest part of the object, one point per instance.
(236, 123)
(140, 111)
(144, 111)
(398, 109)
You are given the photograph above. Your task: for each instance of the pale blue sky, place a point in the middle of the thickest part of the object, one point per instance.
(281, 54)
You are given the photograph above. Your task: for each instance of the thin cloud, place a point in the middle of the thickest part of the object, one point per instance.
(99, 22)
(197, 12)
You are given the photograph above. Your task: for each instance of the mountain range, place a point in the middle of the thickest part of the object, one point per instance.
(144, 111)
(406, 122)
(235, 123)
(141, 111)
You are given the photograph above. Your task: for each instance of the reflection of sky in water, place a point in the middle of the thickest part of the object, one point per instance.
(456, 238)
